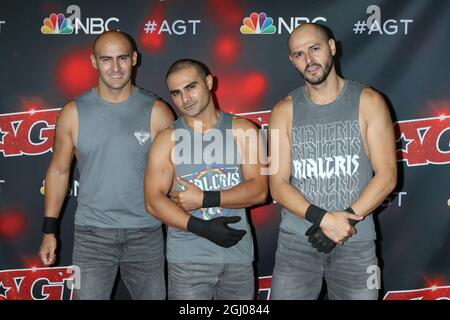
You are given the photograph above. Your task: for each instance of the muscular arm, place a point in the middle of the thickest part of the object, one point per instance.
(57, 178)
(158, 181)
(379, 140)
(254, 189)
(162, 117)
(280, 155)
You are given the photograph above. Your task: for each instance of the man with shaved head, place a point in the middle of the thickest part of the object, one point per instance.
(109, 129)
(337, 164)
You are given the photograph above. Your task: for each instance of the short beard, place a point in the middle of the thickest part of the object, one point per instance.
(326, 72)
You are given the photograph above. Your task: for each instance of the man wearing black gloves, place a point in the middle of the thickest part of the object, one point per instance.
(337, 163)
(201, 175)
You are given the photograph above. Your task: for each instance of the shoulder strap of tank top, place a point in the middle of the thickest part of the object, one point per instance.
(227, 121)
(355, 88)
(178, 124)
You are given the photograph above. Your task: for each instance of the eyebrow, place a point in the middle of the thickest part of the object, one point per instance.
(119, 56)
(188, 85)
(309, 47)
(313, 45)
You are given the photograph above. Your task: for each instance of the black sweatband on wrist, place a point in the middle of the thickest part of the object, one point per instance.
(350, 210)
(211, 199)
(352, 222)
(314, 214)
(50, 225)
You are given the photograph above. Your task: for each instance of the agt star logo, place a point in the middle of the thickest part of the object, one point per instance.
(39, 283)
(264, 285)
(423, 141)
(261, 118)
(433, 293)
(27, 133)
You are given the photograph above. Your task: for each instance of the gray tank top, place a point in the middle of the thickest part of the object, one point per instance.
(217, 169)
(112, 147)
(329, 164)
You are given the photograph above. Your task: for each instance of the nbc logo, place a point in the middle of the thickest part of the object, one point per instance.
(57, 24)
(258, 24)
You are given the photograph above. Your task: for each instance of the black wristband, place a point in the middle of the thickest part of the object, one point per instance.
(211, 199)
(314, 214)
(50, 225)
(350, 210)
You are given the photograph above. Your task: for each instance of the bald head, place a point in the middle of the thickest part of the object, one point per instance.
(112, 37)
(114, 58)
(307, 30)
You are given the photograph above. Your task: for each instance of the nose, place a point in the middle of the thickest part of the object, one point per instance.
(186, 98)
(116, 65)
(309, 59)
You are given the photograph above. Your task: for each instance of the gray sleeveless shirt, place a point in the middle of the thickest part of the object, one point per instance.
(209, 160)
(112, 147)
(329, 164)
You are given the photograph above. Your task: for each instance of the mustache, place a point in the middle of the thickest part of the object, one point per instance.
(313, 65)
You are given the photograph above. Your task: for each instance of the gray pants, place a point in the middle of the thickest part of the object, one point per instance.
(138, 252)
(195, 281)
(300, 269)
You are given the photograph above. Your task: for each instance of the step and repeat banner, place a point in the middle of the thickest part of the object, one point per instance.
(399, 48)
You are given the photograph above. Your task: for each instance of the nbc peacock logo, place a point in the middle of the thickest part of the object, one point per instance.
(258, 24)
(57, 24)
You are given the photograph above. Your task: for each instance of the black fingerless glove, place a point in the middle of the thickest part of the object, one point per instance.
(319, 240)
(314, 214)
(217, 230)
(352, 222)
